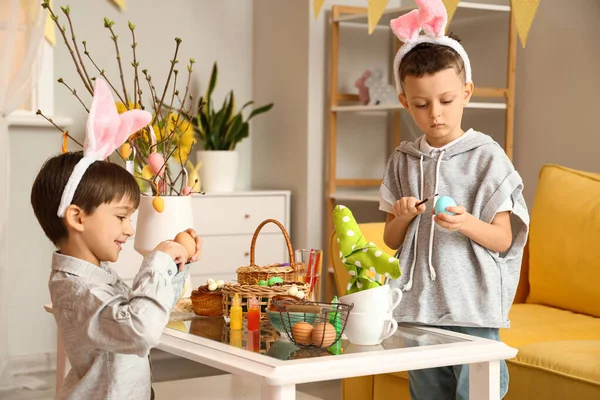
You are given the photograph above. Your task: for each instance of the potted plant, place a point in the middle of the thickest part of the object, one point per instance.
(157, 155)
(220, 131)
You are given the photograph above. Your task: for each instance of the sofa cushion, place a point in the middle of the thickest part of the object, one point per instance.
(556, 370)
(564, 251)
(532, 323)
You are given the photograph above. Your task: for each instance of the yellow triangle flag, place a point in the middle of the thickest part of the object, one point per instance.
(450, 9)
(317, 5)
(120, 4)
(376, 8)
(524, 12)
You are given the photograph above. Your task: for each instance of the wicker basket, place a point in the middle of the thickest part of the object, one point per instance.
(206, 303)
(252, 274)
(262, 293)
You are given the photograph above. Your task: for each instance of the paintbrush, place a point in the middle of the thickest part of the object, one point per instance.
(425, 201)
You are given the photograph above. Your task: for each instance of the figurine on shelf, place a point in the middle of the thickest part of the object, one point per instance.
(380, 92)
(363, 90)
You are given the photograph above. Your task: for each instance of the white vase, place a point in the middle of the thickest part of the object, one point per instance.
(219, 170)
(154, 227)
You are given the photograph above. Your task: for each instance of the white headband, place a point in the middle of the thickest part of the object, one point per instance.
(431, 17)
(105, 131)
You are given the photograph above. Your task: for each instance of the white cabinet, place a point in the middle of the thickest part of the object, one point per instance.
(226, 223)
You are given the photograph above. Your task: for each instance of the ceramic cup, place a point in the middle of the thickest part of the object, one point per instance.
(374, 300)
(369, 329)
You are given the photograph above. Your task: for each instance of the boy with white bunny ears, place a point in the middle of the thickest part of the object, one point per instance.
(461, 275)
(84, 205)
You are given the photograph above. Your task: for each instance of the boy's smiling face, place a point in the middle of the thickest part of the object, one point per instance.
(436, 103)
(100, 236)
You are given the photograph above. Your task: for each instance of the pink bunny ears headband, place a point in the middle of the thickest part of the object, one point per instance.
(106, 131)
(431, 17)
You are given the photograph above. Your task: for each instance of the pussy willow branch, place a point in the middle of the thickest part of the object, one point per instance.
(109, 24)
(101, 71)
(137, 90)
(154, 184)
(54, 17)
(67, 12)
(176, 72)
(39, 112)
(74, 92)
(187, 85)
(173, 62)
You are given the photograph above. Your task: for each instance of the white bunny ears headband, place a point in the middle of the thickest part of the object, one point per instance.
(106, 131)
(432, 18)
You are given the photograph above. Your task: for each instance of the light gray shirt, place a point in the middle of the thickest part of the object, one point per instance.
(109, 328)
(448, 279)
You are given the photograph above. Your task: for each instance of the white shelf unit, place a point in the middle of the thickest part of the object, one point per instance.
(494, 99)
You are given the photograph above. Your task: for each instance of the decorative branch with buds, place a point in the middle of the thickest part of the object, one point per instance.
(151, 148)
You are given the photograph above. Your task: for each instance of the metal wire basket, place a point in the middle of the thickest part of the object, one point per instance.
(313, 324)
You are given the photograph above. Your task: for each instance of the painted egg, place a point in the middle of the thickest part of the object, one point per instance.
(302, 333)
(323, 334)
(159, 204)
(442, 203)
(274, 281)
(156, 162)
(187, 241)
(263, 283)
(147, 172)
(125, 150)
(293, 290)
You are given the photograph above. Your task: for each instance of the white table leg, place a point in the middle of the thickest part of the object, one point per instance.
(61, 361)
(287, 392)
(484, 381)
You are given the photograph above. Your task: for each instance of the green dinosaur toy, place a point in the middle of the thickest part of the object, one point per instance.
(360, 256)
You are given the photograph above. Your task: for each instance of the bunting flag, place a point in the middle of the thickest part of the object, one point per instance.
(317, 5)
(524, 11)
(376, 8)
(120, 4)
(451, 6)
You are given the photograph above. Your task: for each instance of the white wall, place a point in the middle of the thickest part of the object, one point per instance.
(557, 91)
(280, 145)
(210, 31)
(293, 136)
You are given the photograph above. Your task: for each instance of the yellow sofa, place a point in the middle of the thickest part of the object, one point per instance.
(555, 319)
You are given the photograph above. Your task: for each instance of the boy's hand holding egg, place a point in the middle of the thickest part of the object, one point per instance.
(192, 244)
(448, 215)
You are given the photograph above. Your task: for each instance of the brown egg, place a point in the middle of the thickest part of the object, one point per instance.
(187, 241)
(302, 332)
(323, 334)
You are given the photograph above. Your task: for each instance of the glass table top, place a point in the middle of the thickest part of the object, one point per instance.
(272, 343)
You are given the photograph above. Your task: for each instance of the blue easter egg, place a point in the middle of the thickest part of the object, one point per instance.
(442, 203)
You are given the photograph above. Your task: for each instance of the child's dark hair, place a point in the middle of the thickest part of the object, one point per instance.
(429, 58)
(102, 183)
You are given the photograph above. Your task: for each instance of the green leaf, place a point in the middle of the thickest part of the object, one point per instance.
(233, 129)
(211, 86)
(229, 106)
(260, 110)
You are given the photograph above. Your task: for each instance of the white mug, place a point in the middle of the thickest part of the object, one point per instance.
(374, 300)
(369, 329)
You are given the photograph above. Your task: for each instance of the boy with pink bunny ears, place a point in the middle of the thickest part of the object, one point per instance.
(460, 268)
(84, 205)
